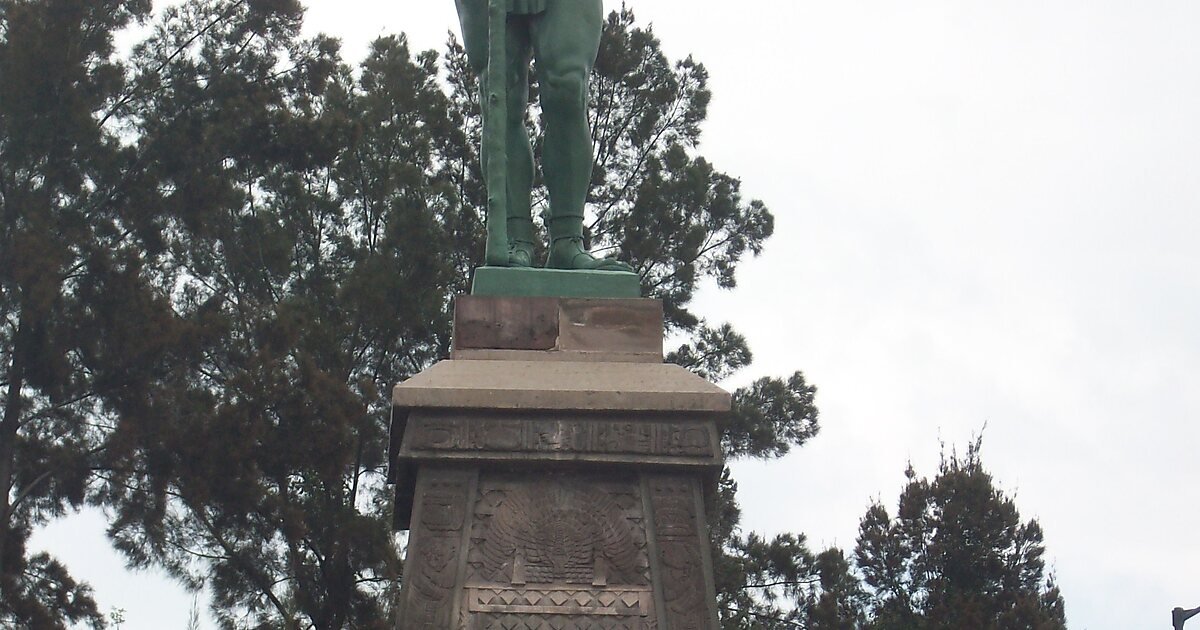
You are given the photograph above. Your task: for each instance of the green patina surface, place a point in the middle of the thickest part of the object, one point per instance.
(501, 37)
(530, 282)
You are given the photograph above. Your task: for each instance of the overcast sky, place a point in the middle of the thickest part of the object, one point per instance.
(987, 212)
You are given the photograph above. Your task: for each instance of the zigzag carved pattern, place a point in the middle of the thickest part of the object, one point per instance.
(627, 603)
(562, 622)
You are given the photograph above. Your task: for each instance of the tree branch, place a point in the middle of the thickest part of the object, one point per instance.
(24, 493)
(178, 51)
(784, 583)
(762, 616)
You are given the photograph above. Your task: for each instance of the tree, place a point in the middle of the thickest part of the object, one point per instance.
(68, 268)
(956, 555)
(836, 601)
(232, 247)
(303, 235)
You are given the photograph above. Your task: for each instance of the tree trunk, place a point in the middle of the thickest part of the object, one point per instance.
(8, 438)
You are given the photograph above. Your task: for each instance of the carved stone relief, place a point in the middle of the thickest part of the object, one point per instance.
(680, 553)
(559, 552)
(565, 551)
(436, 547)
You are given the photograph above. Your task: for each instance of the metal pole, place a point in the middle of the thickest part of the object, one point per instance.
(1180, 616)
(495, 140)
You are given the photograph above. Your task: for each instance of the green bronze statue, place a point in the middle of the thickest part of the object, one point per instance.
(563, 36)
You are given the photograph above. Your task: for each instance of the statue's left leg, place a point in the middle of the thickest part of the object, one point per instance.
(473, 14)
(566, 38)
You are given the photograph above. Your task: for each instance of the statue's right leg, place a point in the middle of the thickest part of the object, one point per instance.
(473, 15)
(520, 151)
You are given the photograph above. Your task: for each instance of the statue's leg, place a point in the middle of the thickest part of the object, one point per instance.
(520, 151)
(473, 15)
(566, 38)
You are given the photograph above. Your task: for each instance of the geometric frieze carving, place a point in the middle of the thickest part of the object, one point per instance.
(565, 601)
(561, 433)
(554, 622)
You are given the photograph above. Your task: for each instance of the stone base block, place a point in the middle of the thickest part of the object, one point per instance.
(552, 472)
(497, 549)
(557, 329)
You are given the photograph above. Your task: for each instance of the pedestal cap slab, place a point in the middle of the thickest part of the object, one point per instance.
(561, 385)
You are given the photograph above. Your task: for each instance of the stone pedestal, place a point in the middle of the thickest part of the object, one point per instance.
(553, 471)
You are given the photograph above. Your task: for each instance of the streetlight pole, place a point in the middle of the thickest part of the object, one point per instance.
(1179, 616)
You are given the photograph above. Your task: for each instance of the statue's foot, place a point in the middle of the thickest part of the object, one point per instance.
(520, 254)
(569, 253)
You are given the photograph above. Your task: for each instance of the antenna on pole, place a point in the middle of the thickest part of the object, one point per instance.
(495, 135)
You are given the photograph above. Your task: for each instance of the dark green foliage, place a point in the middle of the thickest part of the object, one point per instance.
(713, 353)
(303, 226)
(836, 601)
(669, 212)
(957, 555)
(62, 239)
(46, 596)
(761, 584)
(770, 416)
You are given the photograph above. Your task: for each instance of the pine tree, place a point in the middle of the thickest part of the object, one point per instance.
(70, 266)
(304, 236)
(956, 555)
(835, 600)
